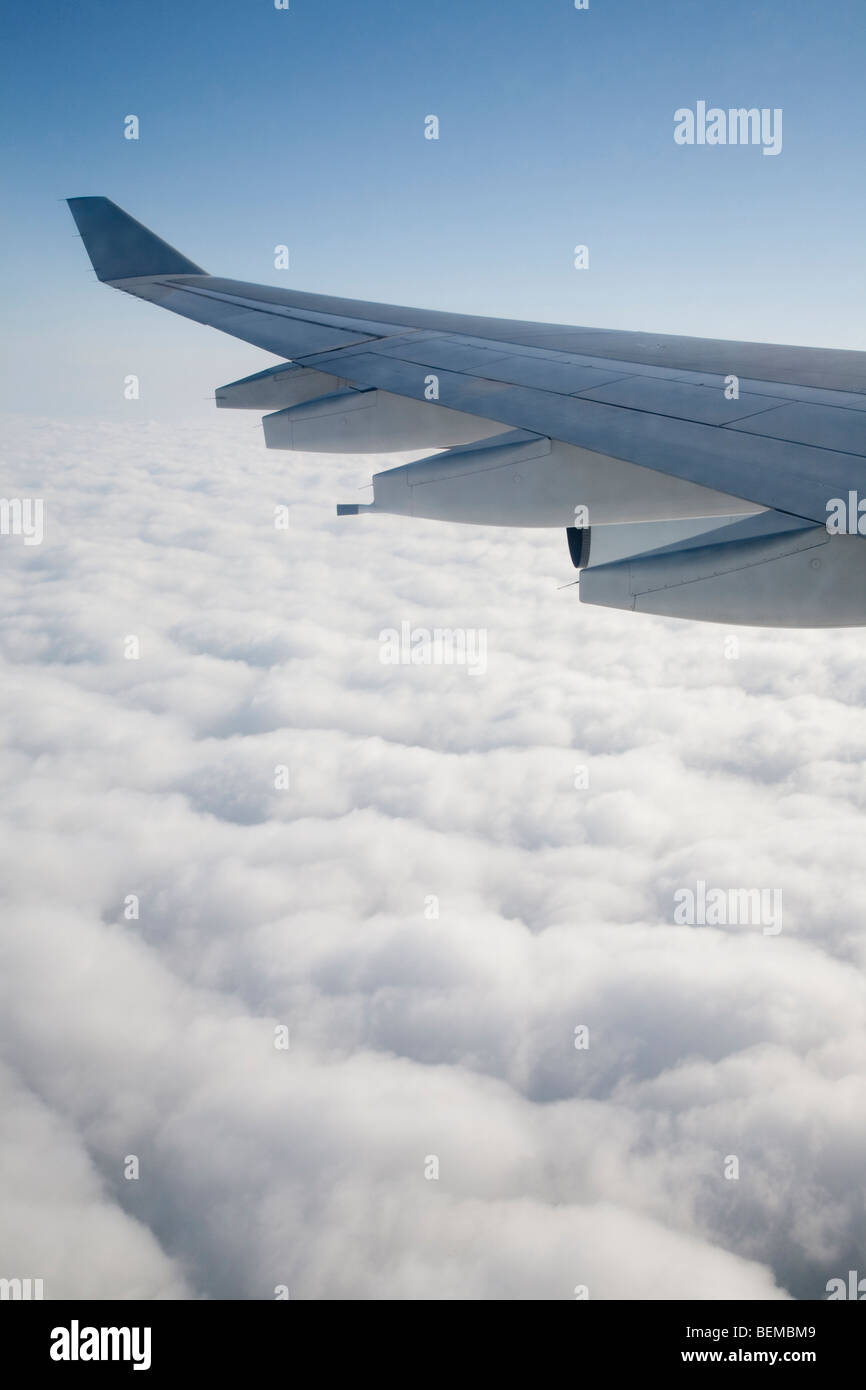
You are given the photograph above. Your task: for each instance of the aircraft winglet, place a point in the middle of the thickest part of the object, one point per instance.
(121, 248)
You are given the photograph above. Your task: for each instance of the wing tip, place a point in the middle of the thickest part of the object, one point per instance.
(119, 247)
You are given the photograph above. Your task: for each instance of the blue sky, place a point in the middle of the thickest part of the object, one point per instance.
(306, 127)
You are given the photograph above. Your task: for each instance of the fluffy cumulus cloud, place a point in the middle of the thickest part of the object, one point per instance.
(511, 1070)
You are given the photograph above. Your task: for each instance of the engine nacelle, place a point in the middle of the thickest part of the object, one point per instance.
(524, 479)
(371, 422)
(798, 576)
(276, 387)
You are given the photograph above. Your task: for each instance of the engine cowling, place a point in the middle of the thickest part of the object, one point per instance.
(371, 422)
(278, 387)
(524, 479)
(799, 576)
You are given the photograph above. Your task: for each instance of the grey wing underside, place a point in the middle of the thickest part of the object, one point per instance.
(794, 436)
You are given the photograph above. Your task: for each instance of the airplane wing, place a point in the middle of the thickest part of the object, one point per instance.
(549, 425)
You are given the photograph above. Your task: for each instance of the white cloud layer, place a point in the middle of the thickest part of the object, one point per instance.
(411, 1037)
